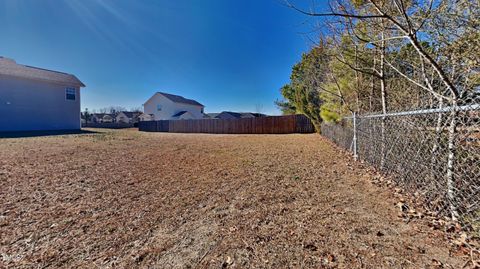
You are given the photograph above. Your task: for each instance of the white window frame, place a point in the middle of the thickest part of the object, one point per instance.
(159, 107)
(69, 91)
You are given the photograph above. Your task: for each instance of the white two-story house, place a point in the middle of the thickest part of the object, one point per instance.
(165, 106)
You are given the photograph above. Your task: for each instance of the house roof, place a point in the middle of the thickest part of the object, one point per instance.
(180, 99)
(237, 115)
(9, 67)
(130, 114)
(179, 114)
(256, 115)
(101, 115)
(212, 115)
(233, 114)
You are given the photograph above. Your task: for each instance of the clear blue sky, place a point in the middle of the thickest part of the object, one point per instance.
(226, 54)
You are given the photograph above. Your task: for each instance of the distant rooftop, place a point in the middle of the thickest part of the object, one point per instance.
(130, 114)
(9, 67)
(236, 115)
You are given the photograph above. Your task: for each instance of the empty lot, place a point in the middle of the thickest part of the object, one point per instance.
(129, 199)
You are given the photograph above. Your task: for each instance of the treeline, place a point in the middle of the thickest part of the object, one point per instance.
(384, 56)
(112, 110)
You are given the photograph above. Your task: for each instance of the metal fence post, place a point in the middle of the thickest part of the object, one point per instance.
(355, 156)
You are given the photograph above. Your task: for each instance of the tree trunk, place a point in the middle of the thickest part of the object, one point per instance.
(372, 87)
(384, 98)
(357, 82)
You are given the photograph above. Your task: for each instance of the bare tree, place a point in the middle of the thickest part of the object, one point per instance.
(417, 47)
(259, 108)
(136, 109)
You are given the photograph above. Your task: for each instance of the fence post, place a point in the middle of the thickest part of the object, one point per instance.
(355, 156)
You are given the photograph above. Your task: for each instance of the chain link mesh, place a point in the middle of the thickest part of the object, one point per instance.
(433, 155)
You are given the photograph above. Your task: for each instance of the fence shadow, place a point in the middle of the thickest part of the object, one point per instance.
(26, 134)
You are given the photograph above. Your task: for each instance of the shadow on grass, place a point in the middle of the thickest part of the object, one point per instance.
(24, 134)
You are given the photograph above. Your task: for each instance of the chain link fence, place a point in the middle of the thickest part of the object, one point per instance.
(432, 153)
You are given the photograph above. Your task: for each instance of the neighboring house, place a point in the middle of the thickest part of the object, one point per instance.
(211, 115)
(146, 117)
(165, 106)
(102, 118)
(235, 115)
(33, 98)
(127, 117)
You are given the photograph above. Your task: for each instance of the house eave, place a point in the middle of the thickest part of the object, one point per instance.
(79, 85)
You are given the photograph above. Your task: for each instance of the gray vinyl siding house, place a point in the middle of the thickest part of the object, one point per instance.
(36, 99)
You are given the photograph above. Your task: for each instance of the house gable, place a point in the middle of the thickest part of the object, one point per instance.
(122, 117)
(127, 116)
(146, 117)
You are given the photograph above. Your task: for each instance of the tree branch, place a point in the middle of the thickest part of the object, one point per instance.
(332, 14)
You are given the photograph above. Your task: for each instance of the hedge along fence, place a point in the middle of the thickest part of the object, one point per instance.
(262, 125)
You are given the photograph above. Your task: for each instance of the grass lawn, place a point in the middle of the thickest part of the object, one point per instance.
(129, 199)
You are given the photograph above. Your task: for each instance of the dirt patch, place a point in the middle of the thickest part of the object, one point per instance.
(129, 199)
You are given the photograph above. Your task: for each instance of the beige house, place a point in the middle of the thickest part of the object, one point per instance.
(146, 117)
(127, 117)
(102, 118)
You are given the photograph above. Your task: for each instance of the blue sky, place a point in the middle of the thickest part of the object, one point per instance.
(226, 54)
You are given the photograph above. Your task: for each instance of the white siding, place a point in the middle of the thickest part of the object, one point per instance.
(145, 117)
(169, 108)
(29, 105)
(121, 117)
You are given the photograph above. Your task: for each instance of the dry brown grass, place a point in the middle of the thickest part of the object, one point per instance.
(130, 199)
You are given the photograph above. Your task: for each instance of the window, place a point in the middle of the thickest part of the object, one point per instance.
(70, 93)
(159, 108)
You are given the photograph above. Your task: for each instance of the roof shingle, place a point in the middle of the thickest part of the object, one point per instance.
(180, 99)
(9, 67)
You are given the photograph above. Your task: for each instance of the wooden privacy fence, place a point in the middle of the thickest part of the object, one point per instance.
(262, 125)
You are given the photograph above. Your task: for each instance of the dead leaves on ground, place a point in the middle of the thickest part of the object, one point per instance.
(410, 209)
